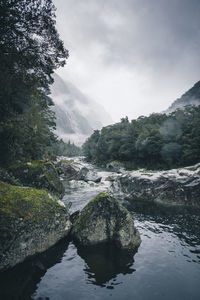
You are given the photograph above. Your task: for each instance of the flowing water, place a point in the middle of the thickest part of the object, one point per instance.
(166, 266)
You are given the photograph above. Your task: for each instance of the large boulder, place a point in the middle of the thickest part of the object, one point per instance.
(31, 221)
(72, 170)
(39, 174)
(104, 220)
(68, 168)
(175, 187)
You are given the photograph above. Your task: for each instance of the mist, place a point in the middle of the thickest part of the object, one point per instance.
(134, 57)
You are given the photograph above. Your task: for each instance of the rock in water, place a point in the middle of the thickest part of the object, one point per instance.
(172, 187)
(31, 221)
(103, 220)
(68, 168)
(87, 175)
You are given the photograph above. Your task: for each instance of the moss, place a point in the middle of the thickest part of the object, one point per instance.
(40, 174)
(90, 207)
(81, 220)
(26, 203)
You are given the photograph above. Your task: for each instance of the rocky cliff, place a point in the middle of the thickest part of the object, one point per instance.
(76, 115)
(191, 97)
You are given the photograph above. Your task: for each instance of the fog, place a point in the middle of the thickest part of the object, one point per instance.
(134, 57)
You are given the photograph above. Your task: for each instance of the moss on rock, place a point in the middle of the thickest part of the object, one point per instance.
(103, 220)
(26, 203)
(40, 174)
(31, 221)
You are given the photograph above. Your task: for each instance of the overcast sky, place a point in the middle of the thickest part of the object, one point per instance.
(133, 56)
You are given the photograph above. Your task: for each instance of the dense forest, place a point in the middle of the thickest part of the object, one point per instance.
(30, 52)
(157, 141)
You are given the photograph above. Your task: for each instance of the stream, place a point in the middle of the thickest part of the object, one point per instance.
(166, 265)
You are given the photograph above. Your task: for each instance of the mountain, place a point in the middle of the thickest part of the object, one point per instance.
(191, 97)
(76, 115)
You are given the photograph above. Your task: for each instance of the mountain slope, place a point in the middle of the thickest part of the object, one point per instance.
(191, 97)
(76, 115)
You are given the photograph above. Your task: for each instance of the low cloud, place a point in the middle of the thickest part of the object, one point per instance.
(134, 56)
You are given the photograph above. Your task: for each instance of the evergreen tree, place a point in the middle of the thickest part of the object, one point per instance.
(30, 51)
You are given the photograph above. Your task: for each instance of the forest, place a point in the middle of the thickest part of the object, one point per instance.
(30, 51)
(156, 142)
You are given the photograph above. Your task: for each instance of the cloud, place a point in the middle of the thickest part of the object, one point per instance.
(132, 56)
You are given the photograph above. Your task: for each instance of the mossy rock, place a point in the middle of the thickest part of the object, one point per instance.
(105, 220)
(40, 174)
(26, 203)
(31, 221)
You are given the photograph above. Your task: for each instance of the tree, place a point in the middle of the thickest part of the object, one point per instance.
(30, 51)
(157, 141)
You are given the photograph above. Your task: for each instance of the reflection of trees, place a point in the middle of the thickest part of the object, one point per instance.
(21, 281)
(104, 262)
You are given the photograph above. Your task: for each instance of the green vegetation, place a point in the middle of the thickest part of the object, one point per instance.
(66, 149)
(88, 209)
(155, 142)
(40, 174)
(30, 51)
(26, 203)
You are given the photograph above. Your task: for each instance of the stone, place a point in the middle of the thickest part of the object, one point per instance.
(87, 175)
(105, 220)
(115, 166)
(39, 174)
(31, 221)
(75, 171)
(68, 168)
(172, 187)
(109, 178)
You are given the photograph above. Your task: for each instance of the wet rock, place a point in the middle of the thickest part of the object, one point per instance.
(40, 174)
(74, 216)
(110, 178)
(174, 187)
(75, 171)
(104, 220)
(68, 168)
(87, 175)
(31, 221)
(115, 166)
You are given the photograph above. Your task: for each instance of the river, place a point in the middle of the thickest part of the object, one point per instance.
(166, 265)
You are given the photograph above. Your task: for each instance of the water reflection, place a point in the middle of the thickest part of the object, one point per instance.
(104, 262)
(20, 282)
(180, 221)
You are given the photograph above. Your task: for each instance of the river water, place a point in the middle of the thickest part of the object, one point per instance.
(166, 265)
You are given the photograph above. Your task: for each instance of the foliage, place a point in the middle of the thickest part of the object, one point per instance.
(30, 51)
(40, 174)
(61, 148)
(157, 141)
